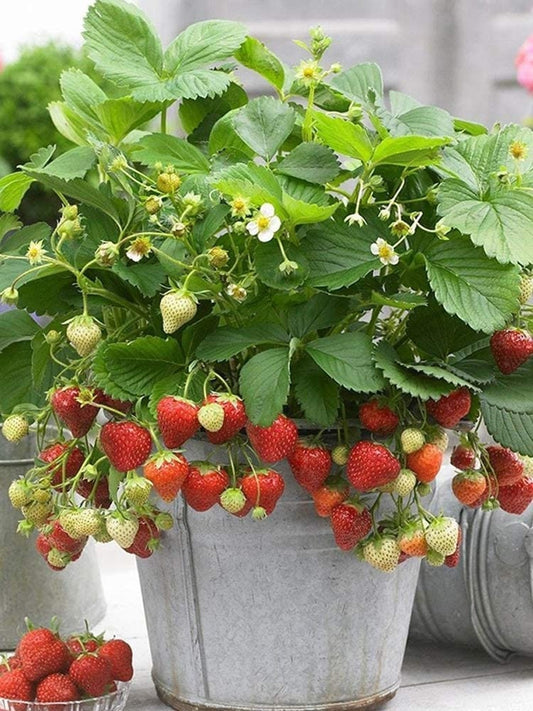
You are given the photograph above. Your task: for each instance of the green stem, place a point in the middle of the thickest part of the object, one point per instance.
(164, 120)
(307, 127)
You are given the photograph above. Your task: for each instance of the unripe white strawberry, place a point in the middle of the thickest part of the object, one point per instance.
(442, 534)
(58, 559)
(67, 519)
(382, 553)
(164, 521)
(177, 308)
(526, 288)
(36, 513)
(528, 466)
(434, 558)
(19, 493)
(43, 496)
(15, 428)
(440, 440)
(232, 500)
(84, 334)
(102, 536)
(340, 454)
(405, 482)
(122, 530)
(86, 522)
(412, 439)
(211, 416)
(137, 490)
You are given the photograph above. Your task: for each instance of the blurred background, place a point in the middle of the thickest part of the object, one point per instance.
(459, 54)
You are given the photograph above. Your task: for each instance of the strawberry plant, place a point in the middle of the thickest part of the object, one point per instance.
(325, 252)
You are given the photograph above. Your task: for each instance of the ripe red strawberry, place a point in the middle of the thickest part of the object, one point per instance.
(448, 410)
(463, 457)
(119, 655)
(310, 465)
(425, 462)
(15, 685)
(60, 539)
(510, 348)
(234, 417)
(371, 465)
(126, 444)
(44, 547)
(177, 419)
(102, 498)
(507, 465)
(350, 523)
(42, 653)
(92, 674)
(469, 486)
(491, 490)
(379, 419)
(412, 541)
(452, 560)
(81, 643)
(123, 406)
(204, 485)
(262, 489)
(146, 539)
(57, 688)
(333, 492)
(69, 464)
(167, 472)
(274, 442)
(77, 417)
(516, 497)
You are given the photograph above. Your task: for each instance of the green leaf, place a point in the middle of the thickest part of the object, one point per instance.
(339, 255)
(512, 392)
(174, 385)
(170, 250)
(8, 223)
(510, 429)
(420, 385)
(43, 368)
(193, 111)
(480, 291)
(408, 117)
(362, 84)
(254, 55)
(346, 138)
(347, 358)
(223, 136)
(403, 300)
(124, 45)
(264, 384)
(161, 148)
(16, 385)
(196, 83)
(303, 213)
(264, 124)
(316, 392)
(147, 278)
(82, 94)
(121, 116)
(208, 227)
(52, 291)
(129, 370)
(255, 182)
(72, 164)
(70, 125)
(312, 162)
(321, 311)
(438, 333)
(16, 326)
(470, 127)
(436, 371)
(224, 343)
(408, 150)
(500, 222)
(267, 258)
(203, 43)
(13, 187)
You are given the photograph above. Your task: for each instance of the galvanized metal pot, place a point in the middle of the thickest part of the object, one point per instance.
(27, 586)
(266, 615)
(487, 600)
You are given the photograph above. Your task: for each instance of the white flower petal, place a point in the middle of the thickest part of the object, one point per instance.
(265, 235)
(133, 255)
(380, 242)
(267, 210)
(275, 223)
(252, 227)
(384, 260)
(374, 248)
(393, 259)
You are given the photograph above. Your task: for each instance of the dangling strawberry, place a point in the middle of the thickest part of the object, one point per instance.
(516, 497)
(333, 491)
(450, 409)
(177, 308)
(167, 471)
(177, 418)
(452, 560)
(126, 444)
(442, 535)
(146, 539)
(310, 464)
(100, 490)
(412, 540)
(371, 465)
(77, 417)
(463, 457)
(425, 462)
(511, 348)
(234, 417)
(468, 486)
(382, 553)
(69, 464)
(379, 419)
(262, 488)
(84, 334)
(274, 442)
(15, 428)
(204, 485)
(507, 466)
(350, 522)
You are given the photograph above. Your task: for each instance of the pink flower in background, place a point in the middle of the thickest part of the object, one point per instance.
(524, 64)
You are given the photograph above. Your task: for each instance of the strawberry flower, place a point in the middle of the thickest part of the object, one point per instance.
(382, 249)
(36, 252)
(265, 224)
(139, 248)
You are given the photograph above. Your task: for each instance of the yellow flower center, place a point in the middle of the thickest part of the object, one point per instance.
(518, 150)
(385, 251)
(308, 72)
(263, 222)
(238, 204)
(141, 246)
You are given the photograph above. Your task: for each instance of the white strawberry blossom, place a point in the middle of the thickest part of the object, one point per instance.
(382, 249)
(36, 252)
(265, 223)
(139, 248)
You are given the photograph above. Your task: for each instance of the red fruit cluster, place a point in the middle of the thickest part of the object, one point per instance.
(54, 544)
(48, 669)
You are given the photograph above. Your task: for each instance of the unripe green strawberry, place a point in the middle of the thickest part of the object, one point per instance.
(86, 522)
(382, 553)
(177, 308)
(217, 257)
(526, 288)
(137, 490)
(412, 439)
(442, 534)
(19, 493)
(232, 500)
(122, 530)
(36, 513)
(153, 204)
(164, 521)
(69, 212)
(102, 536)
(340, 453)
(58, 559)
(15, 428)
(211, 416)
(43, 496)
(168, 183)
(10, 296)
(435, 558)
(70, 229)
(405, 482)
(84, 334)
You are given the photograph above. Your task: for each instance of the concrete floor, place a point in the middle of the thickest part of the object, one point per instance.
(439, 679)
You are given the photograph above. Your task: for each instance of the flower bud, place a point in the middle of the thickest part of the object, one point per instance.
(168, 183)
(10, 295)
(69, 212)
(153, 204)
(106, 254)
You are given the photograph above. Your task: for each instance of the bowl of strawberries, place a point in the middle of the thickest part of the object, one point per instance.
(83, 672)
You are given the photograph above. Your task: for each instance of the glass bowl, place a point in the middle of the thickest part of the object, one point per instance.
(110, 702)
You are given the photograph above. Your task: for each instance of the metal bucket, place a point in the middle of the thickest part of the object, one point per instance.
(247, 615)
(27, 586)
(487, 600)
